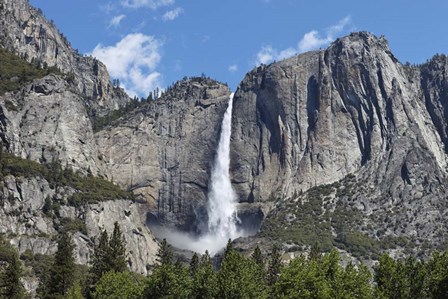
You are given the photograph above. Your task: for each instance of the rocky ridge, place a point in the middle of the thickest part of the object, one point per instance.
(164, 150)
(352, 110)
(32, 226)
(26, 32)
(50, 119)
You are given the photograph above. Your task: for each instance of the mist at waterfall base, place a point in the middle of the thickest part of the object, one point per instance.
(222, 203)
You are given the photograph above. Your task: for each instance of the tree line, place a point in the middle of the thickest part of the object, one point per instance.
(316, 275)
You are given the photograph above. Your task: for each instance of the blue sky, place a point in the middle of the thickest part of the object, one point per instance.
(153, 43)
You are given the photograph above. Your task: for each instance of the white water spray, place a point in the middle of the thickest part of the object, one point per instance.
(222, 200)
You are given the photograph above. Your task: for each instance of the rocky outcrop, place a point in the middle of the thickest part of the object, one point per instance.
(164, 150)
(350, 109)
(24, 220)
(48, 121)
(314, 118)
(26, 32)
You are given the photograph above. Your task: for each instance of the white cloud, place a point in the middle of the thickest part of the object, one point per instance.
(310, 41)
(172, 14)
(233, 68)
(153, 4)
(265, 55)
(268, 54)
(335, 29)
(133, 60)
(115, 21)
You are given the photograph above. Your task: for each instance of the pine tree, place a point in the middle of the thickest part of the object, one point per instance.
(75, 292)
(168, 280)
(437, 275)
(389, 278)
(258, 258)
(239, 277)
(205, 284)
(165, 254)
(101, 261)
(109, 254)
(10, 284)
(117, 254)
(62, 271)
(194, 264)
(274, 265)
(315, 252)
(120, 285)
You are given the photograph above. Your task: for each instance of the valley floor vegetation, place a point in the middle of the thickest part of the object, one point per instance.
(317, 275)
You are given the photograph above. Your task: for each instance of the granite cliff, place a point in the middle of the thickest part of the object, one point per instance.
(163, 151)
(48, 119)
(27, 32)
(346, 144)
(370, 131)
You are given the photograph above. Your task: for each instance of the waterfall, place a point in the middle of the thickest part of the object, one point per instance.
(222, 199)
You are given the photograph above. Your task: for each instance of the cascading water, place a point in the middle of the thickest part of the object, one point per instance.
(222, 200)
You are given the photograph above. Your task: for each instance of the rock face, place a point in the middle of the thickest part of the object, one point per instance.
(48, 121)
(164, 150)
(23, 218)
(314, 118)
(350, 109)
(25, 31)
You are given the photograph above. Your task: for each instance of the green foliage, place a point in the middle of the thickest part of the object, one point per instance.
(323, 277)
(89, 189)
(205, 283)
(274, 265)
(319, 276)
(100, 263)
(169, 281)
(70, 225)
(117, 247)
(109, 255)
(10, 272)
(75, 292)
(12, 165)
(100, 122)
(309, 224)
(120, 285)
(15, 72)
(39, 263)
(358, 244)
(312, 218)
(240, 277)
(62, 273)
(165, 253)
(194, 264)
(315, 252)
(258, 258)
(94, 189)
(437, 276)
(389, 278)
